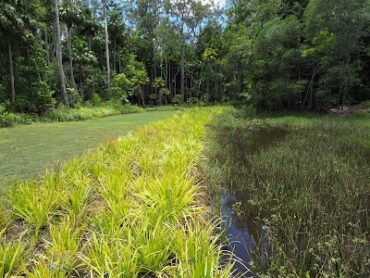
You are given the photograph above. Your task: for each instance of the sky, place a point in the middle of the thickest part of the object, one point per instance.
(220, 3)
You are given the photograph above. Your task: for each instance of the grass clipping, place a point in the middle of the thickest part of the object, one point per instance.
(131, 209)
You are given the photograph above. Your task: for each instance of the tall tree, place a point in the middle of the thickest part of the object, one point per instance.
(106, 42)
(58, 50)
(70, 15)
(10, 22)
(189, 15)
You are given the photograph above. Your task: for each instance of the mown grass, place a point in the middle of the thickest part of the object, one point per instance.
(27, 151)
(131, 209)
(311, 191)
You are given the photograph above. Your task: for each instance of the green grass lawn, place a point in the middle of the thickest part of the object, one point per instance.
(27, 151)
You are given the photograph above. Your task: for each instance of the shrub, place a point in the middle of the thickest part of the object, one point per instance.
(73, 96)
(95, 99)
(8, 119)
(44, 98)
(121, 86)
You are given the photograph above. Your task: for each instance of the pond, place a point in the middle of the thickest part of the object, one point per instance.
(236, 145)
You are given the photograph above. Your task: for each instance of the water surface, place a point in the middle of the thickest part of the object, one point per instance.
(243, 232)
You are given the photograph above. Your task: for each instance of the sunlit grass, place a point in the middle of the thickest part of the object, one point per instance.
(133, 208)
(11, 256)
(27, 151)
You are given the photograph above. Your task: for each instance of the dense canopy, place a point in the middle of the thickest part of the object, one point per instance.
(273, 54)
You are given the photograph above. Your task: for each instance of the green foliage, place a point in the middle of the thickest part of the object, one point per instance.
(44, 98)
(63, 247)
(95, 99)
(35, 213)
(121, 87)
(11, 254)
(210, 55)
(74, 97)
(80, 114)
(300, 54)
(296, 54)
(9, 119)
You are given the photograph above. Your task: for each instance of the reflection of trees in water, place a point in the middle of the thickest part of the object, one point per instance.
(235, 145)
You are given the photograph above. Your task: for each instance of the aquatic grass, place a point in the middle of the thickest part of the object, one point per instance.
(309, 190)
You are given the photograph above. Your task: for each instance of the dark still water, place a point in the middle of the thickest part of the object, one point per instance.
(243, 231)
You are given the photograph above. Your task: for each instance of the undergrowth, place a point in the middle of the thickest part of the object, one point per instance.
(9, 119)
(133, 208)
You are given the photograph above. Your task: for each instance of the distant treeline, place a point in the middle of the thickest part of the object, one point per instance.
(301, 54)
(274, 54)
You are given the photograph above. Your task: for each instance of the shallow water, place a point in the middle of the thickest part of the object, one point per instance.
(242, 231)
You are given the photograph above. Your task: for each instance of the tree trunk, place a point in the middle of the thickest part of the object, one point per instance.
(115, 54)
(106, 42)
(142, 95)
(119, 63)
(59, 56)
(182, 65)
(69, 42)
(47, 46)
(11, 71)
(90, 41)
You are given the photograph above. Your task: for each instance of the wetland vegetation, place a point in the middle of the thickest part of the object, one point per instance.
(262, 171)
(295, 192)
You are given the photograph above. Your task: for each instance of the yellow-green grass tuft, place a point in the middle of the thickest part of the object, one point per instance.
(133, 208)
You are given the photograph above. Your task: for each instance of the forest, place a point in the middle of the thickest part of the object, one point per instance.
(185, 138)
(274, 55)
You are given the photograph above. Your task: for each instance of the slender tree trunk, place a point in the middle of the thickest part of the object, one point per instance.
(59, 56)
(47, 46)
(90, 42)
(106, 42)
(114, 54)
(69, 42)
(170, 78)
(119, 63)
(182, 66)
(11, 71)
(142, 95)
(28, 58)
